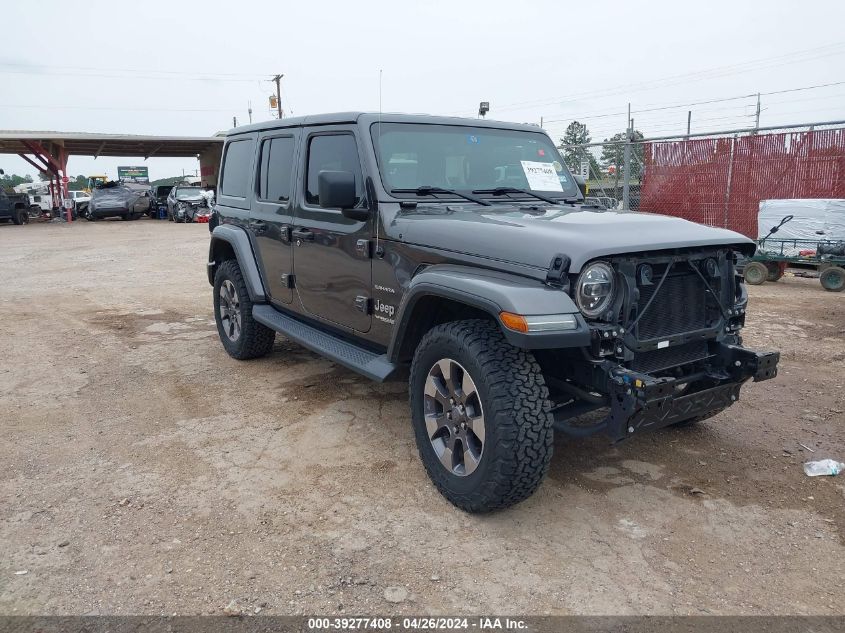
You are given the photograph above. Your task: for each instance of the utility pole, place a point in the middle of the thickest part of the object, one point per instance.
(757, 116)
(234, 121)
(689, 121)
(626, 182)
(249, 110)
(278, 80)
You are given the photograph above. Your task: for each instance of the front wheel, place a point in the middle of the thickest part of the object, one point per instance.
(481, 418)
(242, 336)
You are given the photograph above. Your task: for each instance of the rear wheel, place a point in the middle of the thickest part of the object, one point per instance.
(481, 417)
(756, 273)
(21, 216)
(775, 270)
(242, 336)
(833, 279)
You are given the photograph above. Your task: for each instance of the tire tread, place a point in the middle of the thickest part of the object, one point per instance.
(519, 404)
(256, 339)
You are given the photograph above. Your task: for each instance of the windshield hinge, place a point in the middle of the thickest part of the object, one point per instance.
(558, 273)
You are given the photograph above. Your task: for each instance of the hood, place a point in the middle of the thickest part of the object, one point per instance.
(512, 233)
(190, 197)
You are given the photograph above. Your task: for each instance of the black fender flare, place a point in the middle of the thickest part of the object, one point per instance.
(492, 292)
(238, 240)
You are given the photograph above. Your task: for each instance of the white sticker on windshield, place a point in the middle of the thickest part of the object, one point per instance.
(541, 176)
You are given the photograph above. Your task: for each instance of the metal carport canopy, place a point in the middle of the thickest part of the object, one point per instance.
(89, 144)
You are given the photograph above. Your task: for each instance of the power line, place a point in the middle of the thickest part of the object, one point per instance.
(125, 70)
(696, 103)
(204, 77)
(787, 58)
(119, 108)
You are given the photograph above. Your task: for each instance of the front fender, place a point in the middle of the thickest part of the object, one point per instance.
(493, 292)
(226, 237)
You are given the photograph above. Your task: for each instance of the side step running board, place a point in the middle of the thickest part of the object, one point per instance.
(363, 361)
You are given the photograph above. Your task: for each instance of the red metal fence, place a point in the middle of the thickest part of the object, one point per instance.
(720, 181)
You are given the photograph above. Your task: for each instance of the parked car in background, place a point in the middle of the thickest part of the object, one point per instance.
(13, 206)
(159, 199)
(80, 200)
(187, 203)
(113, 199)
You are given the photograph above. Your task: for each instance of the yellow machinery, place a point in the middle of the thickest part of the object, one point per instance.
(94, 182)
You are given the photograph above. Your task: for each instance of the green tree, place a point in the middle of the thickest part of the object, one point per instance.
(13, 180)
(577, 134)
(613, 155)
(78, 184)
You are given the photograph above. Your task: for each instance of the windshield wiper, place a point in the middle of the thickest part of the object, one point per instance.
(503, 191)
(430, 191)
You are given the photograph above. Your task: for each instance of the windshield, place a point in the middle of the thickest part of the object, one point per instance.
(188, 191)
(469, 159)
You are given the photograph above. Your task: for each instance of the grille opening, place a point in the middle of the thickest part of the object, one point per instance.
(682, 304)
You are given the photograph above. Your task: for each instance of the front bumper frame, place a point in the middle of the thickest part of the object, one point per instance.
(639, 402)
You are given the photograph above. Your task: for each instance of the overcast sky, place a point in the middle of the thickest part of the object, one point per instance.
(182, 68)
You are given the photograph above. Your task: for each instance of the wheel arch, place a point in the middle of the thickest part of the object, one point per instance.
(230, 242)
(448, 292)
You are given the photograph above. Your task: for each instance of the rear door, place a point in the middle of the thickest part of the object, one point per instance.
(236, 180)
(332, 263)
(271, 215)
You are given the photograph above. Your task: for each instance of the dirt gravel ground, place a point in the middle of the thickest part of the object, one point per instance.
(143, 471)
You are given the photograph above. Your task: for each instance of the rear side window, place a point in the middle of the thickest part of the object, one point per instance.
(276, 169)
(336, 152)
(236, 168)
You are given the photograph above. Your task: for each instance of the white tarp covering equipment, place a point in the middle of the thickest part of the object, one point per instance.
(813, 219)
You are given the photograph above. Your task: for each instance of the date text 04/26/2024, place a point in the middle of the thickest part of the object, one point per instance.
(417, 624)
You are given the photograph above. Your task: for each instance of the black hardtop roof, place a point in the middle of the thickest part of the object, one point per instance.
(366, 118)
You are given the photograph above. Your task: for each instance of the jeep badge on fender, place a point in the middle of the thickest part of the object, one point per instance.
(459, 253)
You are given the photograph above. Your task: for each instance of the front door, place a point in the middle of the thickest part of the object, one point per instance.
(271, 215)
(332, 265)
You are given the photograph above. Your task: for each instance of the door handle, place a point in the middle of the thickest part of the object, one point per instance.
(302, 234)
(258, 226)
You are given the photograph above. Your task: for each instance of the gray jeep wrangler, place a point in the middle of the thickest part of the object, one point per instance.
(458, 253)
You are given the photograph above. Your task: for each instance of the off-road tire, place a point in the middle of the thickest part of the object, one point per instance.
(255, 340)
(21, 216)
(518, 424)
(833, 279)
(755, 273)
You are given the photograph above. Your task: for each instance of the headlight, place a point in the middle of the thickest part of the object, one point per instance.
(596, 289)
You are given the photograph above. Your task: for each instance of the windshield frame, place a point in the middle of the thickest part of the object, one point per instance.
(570, 190)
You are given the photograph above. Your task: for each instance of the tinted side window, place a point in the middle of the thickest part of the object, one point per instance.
(276, 169)
(236, 168)
(337, 152)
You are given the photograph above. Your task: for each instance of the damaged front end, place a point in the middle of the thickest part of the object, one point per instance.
(665, 344)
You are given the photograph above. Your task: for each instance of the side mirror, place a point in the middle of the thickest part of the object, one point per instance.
(336, 190)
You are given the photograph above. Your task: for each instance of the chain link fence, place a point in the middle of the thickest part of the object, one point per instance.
(716, 179)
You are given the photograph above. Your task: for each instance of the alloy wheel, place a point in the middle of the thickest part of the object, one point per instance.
(230, 310)
(454, 417)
